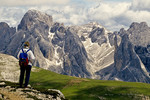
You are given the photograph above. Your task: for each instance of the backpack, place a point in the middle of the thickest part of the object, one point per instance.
(23, 58)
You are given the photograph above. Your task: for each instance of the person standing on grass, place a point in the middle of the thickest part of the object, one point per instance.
(26, 58)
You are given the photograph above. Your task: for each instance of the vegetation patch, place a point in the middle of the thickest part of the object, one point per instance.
(75, 88)
(88, 89)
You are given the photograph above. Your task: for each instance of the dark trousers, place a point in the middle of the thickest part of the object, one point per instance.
(24, 69)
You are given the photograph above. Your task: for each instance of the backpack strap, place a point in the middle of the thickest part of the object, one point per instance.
(28, 50)
(22, 51)
(25, 52)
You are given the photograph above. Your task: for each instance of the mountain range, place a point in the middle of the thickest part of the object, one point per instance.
(88, 51)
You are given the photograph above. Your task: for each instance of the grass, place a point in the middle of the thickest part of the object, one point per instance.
(88, 89)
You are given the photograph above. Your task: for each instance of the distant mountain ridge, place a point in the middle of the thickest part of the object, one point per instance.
(88, 50)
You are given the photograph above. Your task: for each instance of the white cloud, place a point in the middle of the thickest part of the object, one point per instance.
(11, 15)
(103, 11)
(141, 5)
(108, 14)
(69, 9)
(117, 15)
(77, 19)
(31, 2)
(138, 16)
(94, 0)
(113, 16)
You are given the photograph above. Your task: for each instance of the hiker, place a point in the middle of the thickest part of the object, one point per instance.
(26, 58)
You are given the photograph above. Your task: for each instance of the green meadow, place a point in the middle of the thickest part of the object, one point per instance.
(75, 88)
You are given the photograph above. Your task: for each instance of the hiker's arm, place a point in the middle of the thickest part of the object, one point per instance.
(18, 54)
(32, 57)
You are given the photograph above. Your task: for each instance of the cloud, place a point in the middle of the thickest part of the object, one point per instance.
(110, 14)
(138, 16)
(120, 15)
(107, 11)
(113, 16)
(11, 15)
(94, 0)
(140, 5)
(32, 2)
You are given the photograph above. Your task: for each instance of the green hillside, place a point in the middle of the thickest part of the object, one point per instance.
(88, 89)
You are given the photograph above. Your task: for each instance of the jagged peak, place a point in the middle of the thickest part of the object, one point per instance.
(36, 13)
(93, 24)
(4, 24)
(4, 28)
(33, 10)
(137, 25)
(32, 17)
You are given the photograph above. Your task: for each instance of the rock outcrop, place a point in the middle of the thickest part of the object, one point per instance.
(98, 35)
(13, 93)
(9, 68)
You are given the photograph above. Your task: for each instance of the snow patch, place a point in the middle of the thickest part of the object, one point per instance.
(51, 35)
(143, 68)
(98, 54)
(24, 36)
(56, 61)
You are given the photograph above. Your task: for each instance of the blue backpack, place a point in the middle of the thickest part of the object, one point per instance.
(23, 58)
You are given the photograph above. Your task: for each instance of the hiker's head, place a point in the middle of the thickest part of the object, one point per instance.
(26, 44)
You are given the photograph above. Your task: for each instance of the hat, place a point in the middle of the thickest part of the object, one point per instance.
(26, 44)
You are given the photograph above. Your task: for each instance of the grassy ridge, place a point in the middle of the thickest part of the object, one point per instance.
(87, 89)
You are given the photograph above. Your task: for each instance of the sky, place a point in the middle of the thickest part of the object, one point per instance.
(112, 14)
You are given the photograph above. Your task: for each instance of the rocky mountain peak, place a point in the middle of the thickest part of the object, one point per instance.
(34, 17)
(127, 62)
(3, 24)
(5, 33)
(139, 34)
(5, 27)
(94, 24)
(138, 26)
(122, 32)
